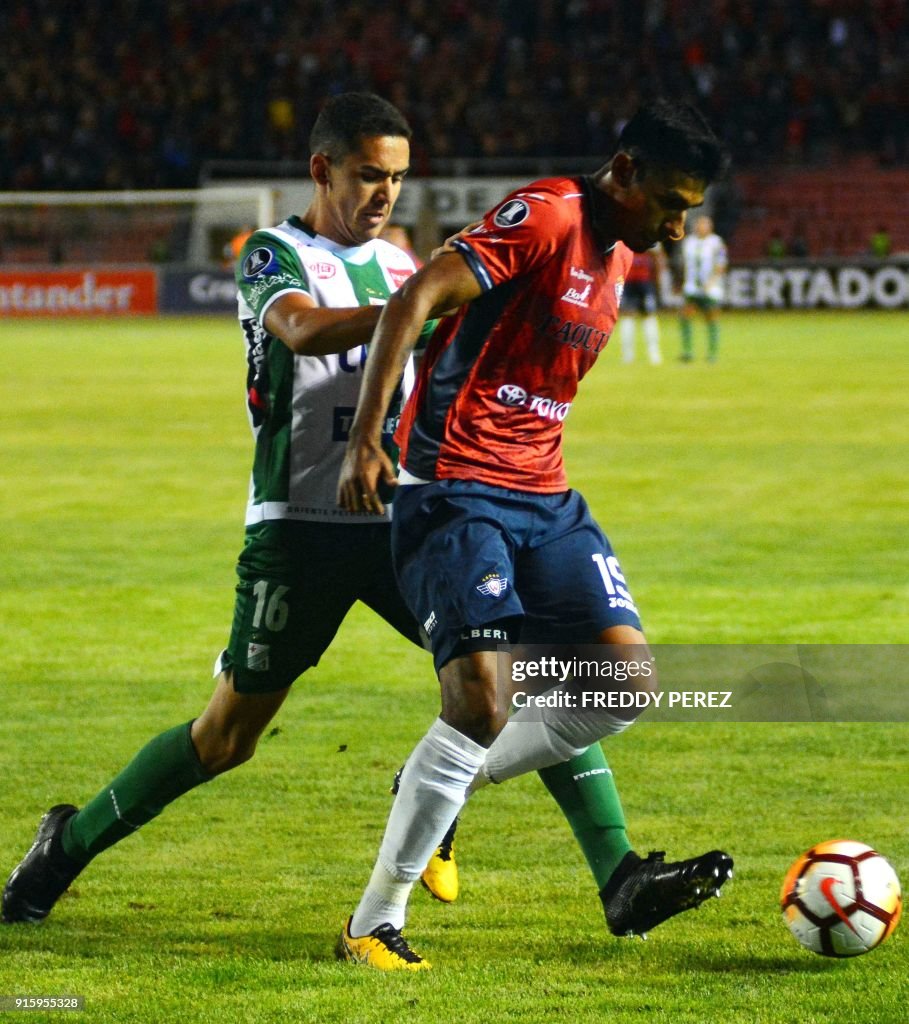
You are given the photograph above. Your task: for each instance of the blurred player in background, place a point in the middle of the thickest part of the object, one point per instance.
(639, 304)
(490, 546)
(704, 264)
(310, 292)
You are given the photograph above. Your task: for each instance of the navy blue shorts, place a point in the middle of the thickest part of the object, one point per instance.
(481, 565)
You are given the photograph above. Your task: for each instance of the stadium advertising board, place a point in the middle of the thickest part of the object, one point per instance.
(198, 291)
(95, 292)
(818, 285)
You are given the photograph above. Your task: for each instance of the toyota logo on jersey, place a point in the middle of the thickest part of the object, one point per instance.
(512, 394)
(546, 408)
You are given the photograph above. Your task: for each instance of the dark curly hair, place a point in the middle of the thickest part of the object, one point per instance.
(674, 136)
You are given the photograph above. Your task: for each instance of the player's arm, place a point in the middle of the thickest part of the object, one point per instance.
(310, 330)
(275, 286)
(446, 282)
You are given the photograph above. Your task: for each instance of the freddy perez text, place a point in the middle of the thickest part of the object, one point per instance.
(559, 698)
(553, 671)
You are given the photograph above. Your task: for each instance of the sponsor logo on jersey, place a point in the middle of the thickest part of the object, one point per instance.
(398, 275)
(342, 418)
(352, 360)
(259, 262)
(546, 408)
(266, 282)
(580, 275)
(493, 585)
(512, 394)
(323, 270)
(258, 342)
(485, 633)
(512, 213)
(574, 334)
(578, 298)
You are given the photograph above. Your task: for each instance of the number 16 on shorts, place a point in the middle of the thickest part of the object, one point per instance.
(271, 609)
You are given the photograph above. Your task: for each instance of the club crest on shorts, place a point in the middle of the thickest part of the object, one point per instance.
(257, 657)
(493, 585)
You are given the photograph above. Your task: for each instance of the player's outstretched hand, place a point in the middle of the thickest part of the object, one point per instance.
(448, 244)
(365, 468)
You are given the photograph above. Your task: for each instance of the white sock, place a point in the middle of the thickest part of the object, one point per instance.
(651, 328)
(535, 738)
(431, 791)
(627, 329)
(384, 899)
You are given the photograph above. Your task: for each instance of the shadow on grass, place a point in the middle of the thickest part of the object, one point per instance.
(750, 963)
(90, 939)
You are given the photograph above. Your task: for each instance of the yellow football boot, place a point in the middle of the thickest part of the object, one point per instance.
(441, 875)
(384, 949)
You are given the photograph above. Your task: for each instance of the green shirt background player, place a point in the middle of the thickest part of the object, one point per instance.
(704, 263)
(310, 293)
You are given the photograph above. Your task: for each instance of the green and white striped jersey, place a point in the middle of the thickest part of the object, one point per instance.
(705, 262)
(301, 407)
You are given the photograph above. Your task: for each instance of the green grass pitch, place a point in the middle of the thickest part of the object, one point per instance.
(758, 500)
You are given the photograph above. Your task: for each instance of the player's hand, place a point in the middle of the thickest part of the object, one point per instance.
(448, 244)
(364, 468)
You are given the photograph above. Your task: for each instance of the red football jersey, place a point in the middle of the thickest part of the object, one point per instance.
(498, 378)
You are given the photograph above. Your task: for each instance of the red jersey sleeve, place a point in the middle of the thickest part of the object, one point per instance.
(519, 235)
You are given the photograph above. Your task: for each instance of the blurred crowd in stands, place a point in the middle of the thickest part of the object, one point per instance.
(131, 94)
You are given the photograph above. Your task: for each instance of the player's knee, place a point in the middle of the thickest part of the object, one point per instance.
(470, 704)
(235, 753)
(220, 752)
(481, 725)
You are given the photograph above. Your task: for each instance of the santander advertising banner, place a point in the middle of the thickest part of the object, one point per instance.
(87, 293)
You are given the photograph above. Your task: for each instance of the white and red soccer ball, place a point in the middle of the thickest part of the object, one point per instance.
(841, 898)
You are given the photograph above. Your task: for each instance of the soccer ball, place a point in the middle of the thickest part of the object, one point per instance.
(841, 898)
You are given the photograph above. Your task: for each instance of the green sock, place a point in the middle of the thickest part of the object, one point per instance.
(685, 325)
(713, 338)
(585, 790)
(164, 769)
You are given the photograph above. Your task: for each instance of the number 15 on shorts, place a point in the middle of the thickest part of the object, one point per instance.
(614, 582)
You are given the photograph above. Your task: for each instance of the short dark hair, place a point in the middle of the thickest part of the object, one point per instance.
(351, 116)
(674, 136)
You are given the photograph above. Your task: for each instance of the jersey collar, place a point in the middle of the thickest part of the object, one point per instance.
(349, 253)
